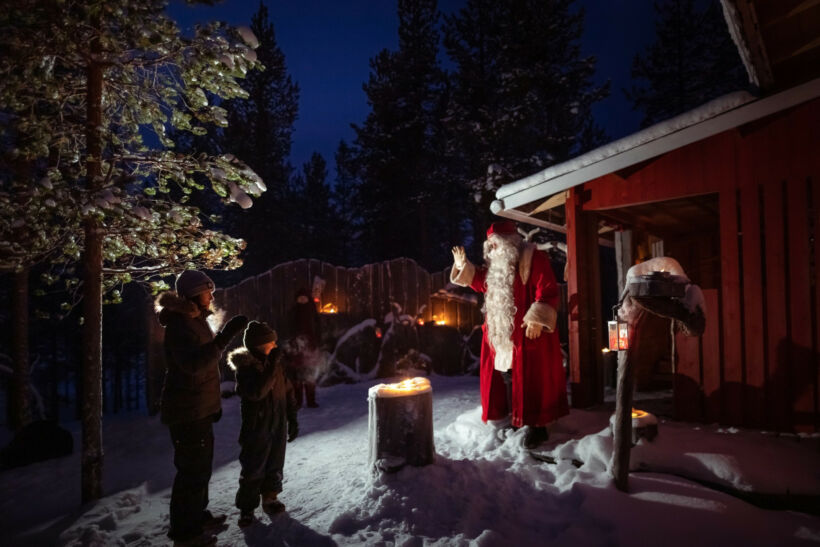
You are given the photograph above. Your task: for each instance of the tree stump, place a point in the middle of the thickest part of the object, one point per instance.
(400, 424)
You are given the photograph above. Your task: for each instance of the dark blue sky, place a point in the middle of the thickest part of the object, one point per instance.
(328, 45)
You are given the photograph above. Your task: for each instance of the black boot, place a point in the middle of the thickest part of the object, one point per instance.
(535, 436)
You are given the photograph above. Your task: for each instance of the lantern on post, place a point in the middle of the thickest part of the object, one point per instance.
(618, 332)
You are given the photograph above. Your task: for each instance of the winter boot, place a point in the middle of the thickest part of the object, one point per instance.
(212, 522)
(245, 519)
(271, 505)
(535, 436)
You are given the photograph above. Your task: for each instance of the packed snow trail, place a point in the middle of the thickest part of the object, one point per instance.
(484, 489)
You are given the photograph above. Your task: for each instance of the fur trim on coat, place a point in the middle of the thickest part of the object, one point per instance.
(542, 314)
(463, 277)
(171, 302)
(242, 358)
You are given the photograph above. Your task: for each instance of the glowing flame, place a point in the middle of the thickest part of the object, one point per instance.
(329, 308)
(439, 320)
(409, 386)
(639, 413)
(420, 321)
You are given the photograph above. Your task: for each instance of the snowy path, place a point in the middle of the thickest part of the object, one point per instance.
(482, 490)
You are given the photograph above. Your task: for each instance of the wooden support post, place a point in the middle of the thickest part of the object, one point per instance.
(400, 424)
(584, 293)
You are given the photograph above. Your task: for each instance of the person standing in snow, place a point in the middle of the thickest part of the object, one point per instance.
(268, 420)
(191, 401)
(521, 370)
(303, 325)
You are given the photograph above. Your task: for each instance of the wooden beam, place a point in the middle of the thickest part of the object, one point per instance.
(794, 12)
(558, 199)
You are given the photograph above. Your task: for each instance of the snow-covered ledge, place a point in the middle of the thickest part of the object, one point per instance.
(714, 117)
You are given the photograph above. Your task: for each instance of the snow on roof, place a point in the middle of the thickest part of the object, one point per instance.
(703, 112)
(714, 117)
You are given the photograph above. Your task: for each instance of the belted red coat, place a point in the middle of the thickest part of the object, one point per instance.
(539, 392)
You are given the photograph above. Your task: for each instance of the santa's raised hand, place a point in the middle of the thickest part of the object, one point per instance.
(459, 257)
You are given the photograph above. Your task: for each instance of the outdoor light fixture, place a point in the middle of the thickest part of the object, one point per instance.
(618, 332)
(644, 425)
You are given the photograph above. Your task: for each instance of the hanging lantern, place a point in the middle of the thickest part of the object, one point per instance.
(618, 331)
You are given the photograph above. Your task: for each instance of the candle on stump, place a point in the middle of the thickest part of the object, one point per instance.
(400, 424)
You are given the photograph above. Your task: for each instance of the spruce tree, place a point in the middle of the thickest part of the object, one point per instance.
(344, 196)
(395, 153)
(83, 84)
(521, 95)
(260, 133)
(691, 61)
(314, 222)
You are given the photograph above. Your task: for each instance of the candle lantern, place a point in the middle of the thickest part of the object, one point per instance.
(400, 424)
(618, 330)
(644, 425)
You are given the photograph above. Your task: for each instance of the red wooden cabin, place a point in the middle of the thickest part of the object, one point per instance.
(732, 191)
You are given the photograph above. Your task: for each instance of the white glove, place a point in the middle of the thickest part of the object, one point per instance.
(459, 257)
(533, 330)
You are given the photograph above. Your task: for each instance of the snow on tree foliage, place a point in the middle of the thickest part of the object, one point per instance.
(89, 91)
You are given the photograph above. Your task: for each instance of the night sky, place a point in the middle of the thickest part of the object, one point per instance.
(328, 45)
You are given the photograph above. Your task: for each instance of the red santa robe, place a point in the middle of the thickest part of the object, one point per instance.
(539, 393)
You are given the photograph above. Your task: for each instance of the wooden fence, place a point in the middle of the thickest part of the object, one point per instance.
(357, 293)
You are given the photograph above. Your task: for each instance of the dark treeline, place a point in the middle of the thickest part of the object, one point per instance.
(425, 163)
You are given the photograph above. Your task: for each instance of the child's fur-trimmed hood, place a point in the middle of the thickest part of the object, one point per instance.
(242, 357)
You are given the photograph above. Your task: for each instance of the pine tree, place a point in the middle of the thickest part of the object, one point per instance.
(311, 199)
(692, 60)
(344, 196)
(521, 94)
(395, 152)
(260, 133)
(82, 84)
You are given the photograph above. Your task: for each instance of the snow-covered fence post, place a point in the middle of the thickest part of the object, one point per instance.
(400, 424)
(658, 286)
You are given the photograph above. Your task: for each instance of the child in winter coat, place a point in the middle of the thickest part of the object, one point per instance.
(268, 420)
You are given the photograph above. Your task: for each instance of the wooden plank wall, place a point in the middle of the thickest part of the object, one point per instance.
(757, 364)
(359, 292)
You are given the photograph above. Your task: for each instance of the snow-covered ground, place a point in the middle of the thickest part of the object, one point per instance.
(484, 488)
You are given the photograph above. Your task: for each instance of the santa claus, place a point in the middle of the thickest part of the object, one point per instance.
(521, 367)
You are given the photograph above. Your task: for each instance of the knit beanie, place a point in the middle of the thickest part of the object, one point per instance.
(258, 334)
(193, 282)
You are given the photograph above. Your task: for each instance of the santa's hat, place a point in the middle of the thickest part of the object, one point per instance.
(502, 228)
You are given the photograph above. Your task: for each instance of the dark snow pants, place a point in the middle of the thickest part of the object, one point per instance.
(262, 459)
(310, 393)
(193, 458)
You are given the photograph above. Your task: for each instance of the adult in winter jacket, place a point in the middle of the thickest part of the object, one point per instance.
(521, 371)
(191, 401)
(268, 420)
(303, 326)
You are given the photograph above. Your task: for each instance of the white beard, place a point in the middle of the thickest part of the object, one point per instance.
(499, 301)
